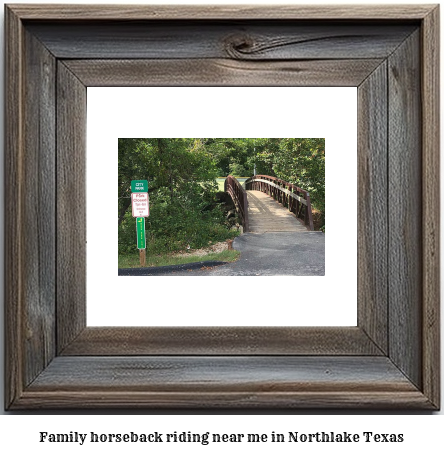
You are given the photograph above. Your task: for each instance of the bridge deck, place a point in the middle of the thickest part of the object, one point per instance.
(267, 215)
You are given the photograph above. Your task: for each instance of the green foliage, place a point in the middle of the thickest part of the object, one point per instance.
(237, 156)
(167, 233)
(238, 170)
(182, 186)
(133, 260)
(301, 161)
(182, 183)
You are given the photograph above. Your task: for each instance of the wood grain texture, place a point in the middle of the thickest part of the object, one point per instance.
(38, 221)
(431, 201)
(127, 341)
(373, 207)
(221, 72)
(266, 214)
(13, 207)
(30, 205)
(208, 381)
(206, 373)
(219, 12)
(263, 40)
(405, 209)
(89, 374)
(71, 206)
(246, 401)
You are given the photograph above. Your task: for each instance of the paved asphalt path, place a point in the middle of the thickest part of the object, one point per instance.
(267, 254)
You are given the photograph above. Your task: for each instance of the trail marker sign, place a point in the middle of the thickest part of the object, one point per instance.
(140, 204)
(141, 208)
(141, 238)
(139, 186)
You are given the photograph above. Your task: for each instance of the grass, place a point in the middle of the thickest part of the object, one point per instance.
(220, 183)
(132, 260)
(221, 180)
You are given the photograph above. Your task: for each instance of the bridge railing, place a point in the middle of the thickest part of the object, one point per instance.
(239, 197)
(289, 195)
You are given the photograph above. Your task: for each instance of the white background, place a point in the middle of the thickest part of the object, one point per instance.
(217, 112)
(19, 433)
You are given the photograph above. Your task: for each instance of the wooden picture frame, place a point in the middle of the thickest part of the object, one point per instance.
(390, 360)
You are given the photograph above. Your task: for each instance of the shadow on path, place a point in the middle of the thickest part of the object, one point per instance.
(267, 254)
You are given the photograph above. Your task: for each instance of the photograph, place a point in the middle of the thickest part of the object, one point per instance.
(221, 206)
(172, 104)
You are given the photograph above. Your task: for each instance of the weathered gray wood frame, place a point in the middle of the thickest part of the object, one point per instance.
(390, 360)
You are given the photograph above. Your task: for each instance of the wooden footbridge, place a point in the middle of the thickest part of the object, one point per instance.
(269, 204)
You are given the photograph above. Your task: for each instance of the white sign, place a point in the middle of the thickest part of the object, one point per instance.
(140, 204)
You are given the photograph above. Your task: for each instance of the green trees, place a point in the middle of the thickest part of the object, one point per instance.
(170, 164)
(181, 174)
(301, 161)
(132, 163)
(237, 156)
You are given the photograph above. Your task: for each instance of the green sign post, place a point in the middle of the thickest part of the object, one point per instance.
(139, 186)
(141, 238)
